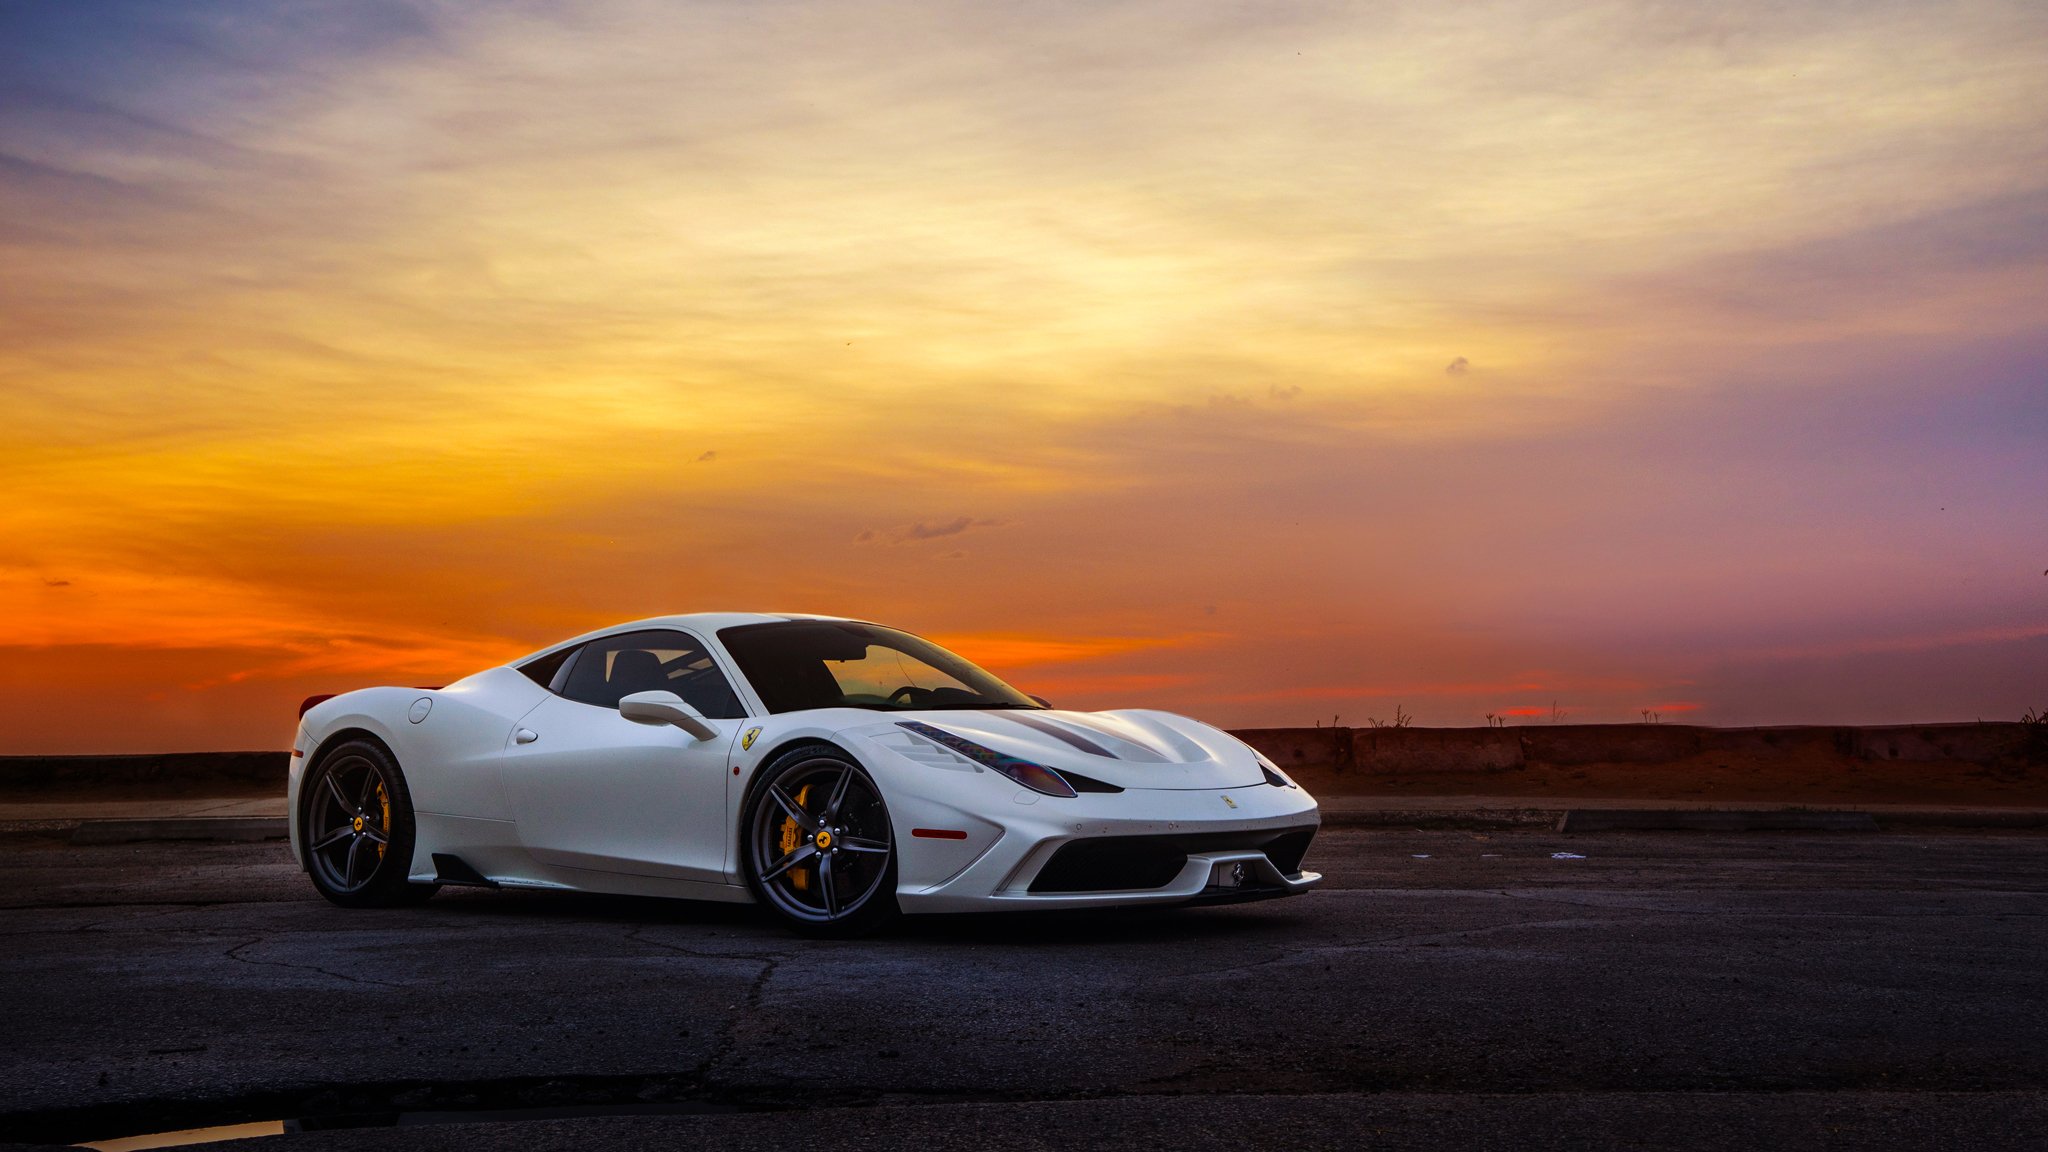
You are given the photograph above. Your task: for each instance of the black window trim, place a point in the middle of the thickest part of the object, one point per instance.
(562, 670)
(557, 656)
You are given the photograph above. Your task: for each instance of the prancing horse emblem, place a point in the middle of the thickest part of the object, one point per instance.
(1229, 801)
(747, 741)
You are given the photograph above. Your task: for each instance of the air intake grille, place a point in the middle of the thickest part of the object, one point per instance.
(925, 752)
(1141, 863)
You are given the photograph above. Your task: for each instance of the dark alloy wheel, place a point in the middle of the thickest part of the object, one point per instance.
(818, 846)
(358, 828)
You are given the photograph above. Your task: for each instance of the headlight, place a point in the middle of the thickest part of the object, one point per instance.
(1036, 777)
(1274, 775)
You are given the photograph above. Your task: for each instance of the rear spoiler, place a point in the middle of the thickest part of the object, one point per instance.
(307, 704)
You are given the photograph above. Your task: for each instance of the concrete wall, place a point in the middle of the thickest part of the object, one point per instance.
(1395, 751)
(236, 770)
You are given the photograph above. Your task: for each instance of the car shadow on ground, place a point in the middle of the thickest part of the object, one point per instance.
(1164, 925)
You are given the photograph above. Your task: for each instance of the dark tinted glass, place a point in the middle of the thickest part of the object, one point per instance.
(616, 666)
(542, 671)
(799, 664)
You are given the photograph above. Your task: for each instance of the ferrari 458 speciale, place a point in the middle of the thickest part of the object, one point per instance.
(838, 772)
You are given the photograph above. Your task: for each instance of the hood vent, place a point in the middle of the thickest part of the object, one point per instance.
(1073, 739)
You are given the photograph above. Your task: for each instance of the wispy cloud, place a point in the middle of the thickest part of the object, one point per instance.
(924, 530)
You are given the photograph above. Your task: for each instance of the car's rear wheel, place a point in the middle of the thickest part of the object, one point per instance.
(358, 828)
(819, 851)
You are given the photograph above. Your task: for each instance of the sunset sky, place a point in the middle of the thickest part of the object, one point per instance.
(1269, 363)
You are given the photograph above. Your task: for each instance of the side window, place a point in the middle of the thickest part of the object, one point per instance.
(542, 671)
(605, 670)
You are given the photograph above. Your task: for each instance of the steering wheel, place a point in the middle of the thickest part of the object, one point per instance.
(911, 694)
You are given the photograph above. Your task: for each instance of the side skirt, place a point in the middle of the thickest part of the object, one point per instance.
(452, 869)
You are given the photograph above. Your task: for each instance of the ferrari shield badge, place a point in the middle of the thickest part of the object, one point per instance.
(747, 741)
(1229, 801)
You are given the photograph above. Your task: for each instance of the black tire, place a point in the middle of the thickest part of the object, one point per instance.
(357, 826)
(807, 794)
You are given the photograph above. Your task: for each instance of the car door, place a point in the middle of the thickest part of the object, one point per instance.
(592, 789)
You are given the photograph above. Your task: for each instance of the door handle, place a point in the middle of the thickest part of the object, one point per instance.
(525, 736)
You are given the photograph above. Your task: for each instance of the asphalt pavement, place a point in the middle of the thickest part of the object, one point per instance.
(1512, 988)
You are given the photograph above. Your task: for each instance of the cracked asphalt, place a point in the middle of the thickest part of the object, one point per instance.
(1669, 990)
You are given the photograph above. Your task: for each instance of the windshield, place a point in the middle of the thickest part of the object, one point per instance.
(799, 664)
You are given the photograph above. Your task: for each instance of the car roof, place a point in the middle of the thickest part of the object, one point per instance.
(703, 623)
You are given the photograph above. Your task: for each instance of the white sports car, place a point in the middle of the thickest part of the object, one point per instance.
(836, 771)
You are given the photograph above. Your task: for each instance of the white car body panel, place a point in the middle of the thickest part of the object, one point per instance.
(591, 801)
(595, 790)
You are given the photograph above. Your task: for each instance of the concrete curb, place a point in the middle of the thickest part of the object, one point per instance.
(1441, 817)
(36, 828)
(224, 828)
(1695, 819)
(1680, 820)
(1937, 818)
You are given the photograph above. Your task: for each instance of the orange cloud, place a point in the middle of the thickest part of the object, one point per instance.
(1132, 687)
(1010, 650)
(518, 333)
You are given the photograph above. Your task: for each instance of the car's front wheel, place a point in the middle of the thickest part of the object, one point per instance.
(818, 848)
(358, 828)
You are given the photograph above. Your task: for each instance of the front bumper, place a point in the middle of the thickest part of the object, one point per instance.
(1219, 838)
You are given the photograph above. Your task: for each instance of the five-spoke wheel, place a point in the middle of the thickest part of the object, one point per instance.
(819, 850)
(358, 828)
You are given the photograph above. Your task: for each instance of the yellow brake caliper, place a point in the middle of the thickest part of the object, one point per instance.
(384, 803)
(791, 833)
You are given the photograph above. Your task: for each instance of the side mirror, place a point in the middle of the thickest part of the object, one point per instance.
(1041, 701)
(662, 707)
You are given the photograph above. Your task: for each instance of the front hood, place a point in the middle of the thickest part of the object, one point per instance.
(1130, 748)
